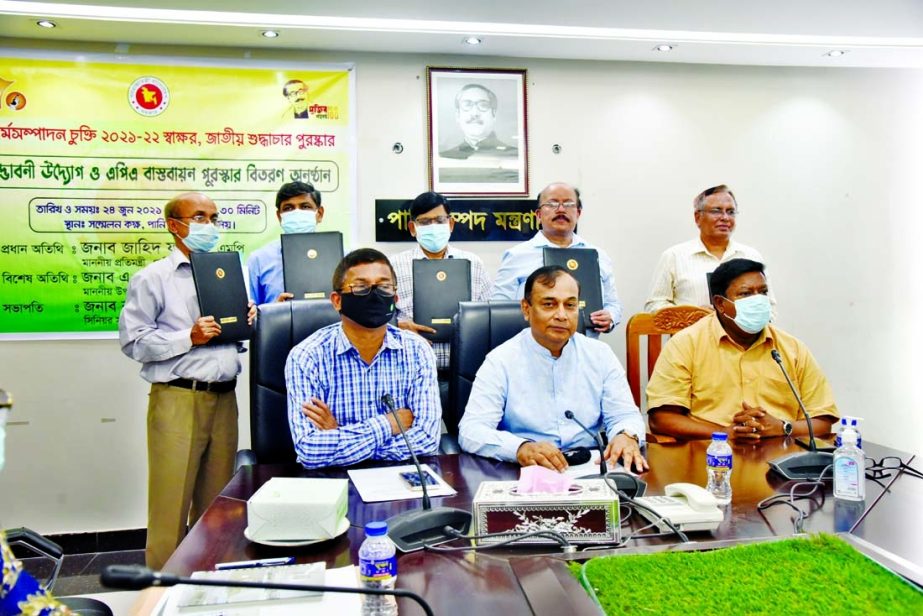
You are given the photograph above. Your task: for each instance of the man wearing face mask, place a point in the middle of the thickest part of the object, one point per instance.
(299, 210)
(431, 224)
(719, 374)
(192, 407)
(336, 377)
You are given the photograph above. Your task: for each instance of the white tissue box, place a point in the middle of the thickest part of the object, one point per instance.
(588, 513)
(291, 509)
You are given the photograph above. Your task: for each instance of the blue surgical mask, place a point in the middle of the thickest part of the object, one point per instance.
(299, 221)
(433, 238)
(203, 237)
(753, 313)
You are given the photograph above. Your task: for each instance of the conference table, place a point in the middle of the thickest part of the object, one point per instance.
(534, 579)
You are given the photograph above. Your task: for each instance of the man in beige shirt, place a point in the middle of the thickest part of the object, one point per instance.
(682, 273)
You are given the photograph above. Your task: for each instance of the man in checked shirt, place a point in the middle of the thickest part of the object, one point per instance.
(336, 377)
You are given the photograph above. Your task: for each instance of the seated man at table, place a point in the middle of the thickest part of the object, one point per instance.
(521, 393)
(337, 376)
(719, 375)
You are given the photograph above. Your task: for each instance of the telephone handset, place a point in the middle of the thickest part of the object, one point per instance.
(688, 506)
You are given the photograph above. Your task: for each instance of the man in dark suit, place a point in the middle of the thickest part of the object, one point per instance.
(476, 114)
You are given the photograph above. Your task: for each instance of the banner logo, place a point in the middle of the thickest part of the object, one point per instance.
(148, 96)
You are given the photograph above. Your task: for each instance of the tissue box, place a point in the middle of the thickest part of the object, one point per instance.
(588, 513)
(288, 509)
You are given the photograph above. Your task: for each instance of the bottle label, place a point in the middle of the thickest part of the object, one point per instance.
(713, 461)
(846, 477)
(376, 570)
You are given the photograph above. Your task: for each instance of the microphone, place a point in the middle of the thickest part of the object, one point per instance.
(599, 443)
(412, 530)
(136, 577)
(805, 465)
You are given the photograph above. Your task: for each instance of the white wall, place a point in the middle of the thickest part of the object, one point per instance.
(825, 164)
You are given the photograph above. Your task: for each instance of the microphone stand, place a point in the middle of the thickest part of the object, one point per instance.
(136, 577)
(413, 530)
(599, 443)
(809, 464)
(626, 483)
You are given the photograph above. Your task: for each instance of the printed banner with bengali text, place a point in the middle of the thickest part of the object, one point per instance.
(90, 152)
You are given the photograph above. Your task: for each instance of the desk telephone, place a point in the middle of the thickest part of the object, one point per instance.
(688, 506)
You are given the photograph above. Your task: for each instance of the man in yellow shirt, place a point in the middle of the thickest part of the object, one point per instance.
(719, 374)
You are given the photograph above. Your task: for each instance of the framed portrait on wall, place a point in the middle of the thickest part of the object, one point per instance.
(477, 131)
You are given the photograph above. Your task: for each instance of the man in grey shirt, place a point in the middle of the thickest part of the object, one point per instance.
(192, 407)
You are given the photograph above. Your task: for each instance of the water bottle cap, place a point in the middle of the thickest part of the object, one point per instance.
(376, 529)
(849, 438)
(719, 436)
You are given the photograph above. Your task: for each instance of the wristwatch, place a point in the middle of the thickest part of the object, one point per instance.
(634, 437)
(787, 428)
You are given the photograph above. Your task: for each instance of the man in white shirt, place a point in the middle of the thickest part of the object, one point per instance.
(681, 277)
(559, 209)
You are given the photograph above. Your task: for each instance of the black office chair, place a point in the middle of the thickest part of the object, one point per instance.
(43, 546)
(279, 327)
(479, 328)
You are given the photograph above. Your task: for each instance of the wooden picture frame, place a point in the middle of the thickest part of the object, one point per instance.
(477, 120)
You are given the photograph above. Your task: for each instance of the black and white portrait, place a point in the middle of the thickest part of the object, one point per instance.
(478, 131)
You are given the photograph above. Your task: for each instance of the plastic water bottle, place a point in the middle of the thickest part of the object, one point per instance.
(378, 569)
(848, 423)
(849, 469)
(718, 460)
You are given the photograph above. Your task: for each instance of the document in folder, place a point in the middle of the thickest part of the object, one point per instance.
(308, 261)
(219, 284)
(438, 286)
(583, 264)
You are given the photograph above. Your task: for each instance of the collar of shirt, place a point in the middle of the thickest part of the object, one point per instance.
(419, 254)
(718, 334)
(392, 340)
(540, 240)
(532, 345)
(698, 247)
(177, 258)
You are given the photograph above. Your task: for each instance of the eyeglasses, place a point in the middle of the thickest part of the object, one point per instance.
(298, 92)
(717, 212)
(435, 220)
(201, 219)
(361, 289)
(467, 105)
(553, 205)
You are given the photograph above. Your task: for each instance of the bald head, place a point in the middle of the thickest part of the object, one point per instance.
(557, 187)
(177, 206)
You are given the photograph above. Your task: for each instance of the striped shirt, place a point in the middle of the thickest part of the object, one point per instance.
(328, 367)
(403, 267)
(681, 277)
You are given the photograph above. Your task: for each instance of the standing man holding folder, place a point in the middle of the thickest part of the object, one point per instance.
(431, 224)
(559, 209)
(299, 210)
(192, 407)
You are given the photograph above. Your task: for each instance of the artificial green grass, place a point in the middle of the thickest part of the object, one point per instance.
(817, 575)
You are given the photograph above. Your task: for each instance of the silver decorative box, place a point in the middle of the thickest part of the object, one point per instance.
(588, 513)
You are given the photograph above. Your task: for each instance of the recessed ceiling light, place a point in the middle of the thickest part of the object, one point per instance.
(46, 24)
(472, 40)
(836, 53)
(664, 47)
(270, 33)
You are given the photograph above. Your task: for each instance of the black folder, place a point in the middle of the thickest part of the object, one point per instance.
(583, 264)
(308, 261)
(219, 285)
(438, 286)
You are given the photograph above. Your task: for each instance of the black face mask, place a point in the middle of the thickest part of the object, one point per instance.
(370, 310)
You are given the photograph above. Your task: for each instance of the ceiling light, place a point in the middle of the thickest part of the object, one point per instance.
(270, 33)
(836, 53)
(46, 24)
(664, 47)
(472, 40)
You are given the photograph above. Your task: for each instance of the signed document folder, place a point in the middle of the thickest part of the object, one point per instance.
(219, 284)
(308, 261)
(438, 286)
(583, 264)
